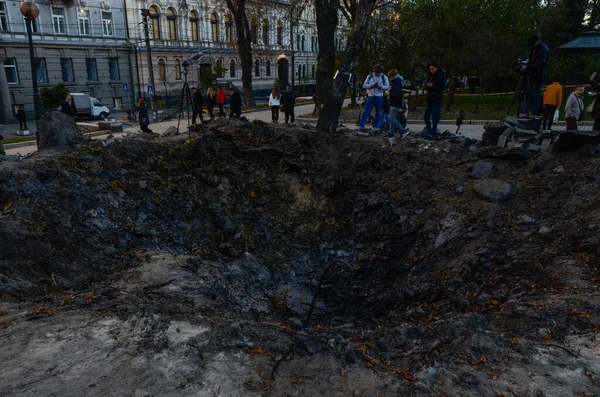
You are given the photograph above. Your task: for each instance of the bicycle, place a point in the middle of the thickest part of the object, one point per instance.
(132, 116)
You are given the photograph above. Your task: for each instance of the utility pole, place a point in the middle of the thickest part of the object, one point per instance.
(292, 42)
(31, 11)
(145, 15)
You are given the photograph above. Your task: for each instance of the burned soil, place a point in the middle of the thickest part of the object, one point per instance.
(253, 259)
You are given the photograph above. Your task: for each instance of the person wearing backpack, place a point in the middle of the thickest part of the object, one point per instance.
(435, 86)
(376, 84)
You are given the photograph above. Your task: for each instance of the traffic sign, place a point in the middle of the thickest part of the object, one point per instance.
(125, 88)
(150, 90)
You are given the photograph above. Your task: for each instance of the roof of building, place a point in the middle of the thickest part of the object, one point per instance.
(587, 41)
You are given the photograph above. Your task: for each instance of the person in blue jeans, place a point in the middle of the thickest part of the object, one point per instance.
(376, 84)
(435, 86)
(396, 101)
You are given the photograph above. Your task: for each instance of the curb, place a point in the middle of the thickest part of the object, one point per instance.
(33, 142)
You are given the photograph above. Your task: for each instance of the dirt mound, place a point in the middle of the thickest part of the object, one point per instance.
(291, 261)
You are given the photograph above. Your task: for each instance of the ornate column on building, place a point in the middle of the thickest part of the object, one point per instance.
(6, 112)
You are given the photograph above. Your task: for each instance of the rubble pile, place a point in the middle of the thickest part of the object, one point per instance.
(253, 259)
(525, 133)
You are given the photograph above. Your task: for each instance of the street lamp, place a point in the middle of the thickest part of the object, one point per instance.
(30, 12)
(145, 14)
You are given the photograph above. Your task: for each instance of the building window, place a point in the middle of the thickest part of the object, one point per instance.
(268, 68)
(265, 32)
(303, 71)
(299, 71)
(194, 26)
(107, 29)
(113, 68)
(312, 43)
(228, 29)
(279, 33)
(34, 25)
(92, 71)
(66, 67)
(313, 71)
(232, 68)
(10, 68)
(253, 31)
(41, 71)
(177, 69)
(162, 70)
(84, 22)
(256, 68)
(302, 43)
(58, 20)
(3, 17)
(172, 23)
(214, 27)
(155, 22)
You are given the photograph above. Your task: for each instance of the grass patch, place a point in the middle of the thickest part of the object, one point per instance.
(18, 139)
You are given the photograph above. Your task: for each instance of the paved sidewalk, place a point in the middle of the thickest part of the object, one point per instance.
(471, 128)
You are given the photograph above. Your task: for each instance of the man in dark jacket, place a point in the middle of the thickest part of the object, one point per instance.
(435, 86)
(235, 103)
(396, 101)
(22, 117)
(198, 105)
(537, 65)
(288, 100)
(68, 107)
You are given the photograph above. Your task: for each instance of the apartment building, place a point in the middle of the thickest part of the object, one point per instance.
(203, 33)
(82, 44)
(98, 47)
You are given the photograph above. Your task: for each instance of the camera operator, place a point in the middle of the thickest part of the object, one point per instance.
(537, 66)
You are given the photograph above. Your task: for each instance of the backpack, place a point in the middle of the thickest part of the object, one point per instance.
(383, 78)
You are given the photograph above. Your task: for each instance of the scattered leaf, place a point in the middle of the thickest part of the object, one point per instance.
(482, 360)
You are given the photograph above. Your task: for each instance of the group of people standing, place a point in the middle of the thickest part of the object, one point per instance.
(285, 101)
(387, 91)
(218, 99)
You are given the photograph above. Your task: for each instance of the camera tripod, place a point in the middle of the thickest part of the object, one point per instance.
(522, 95)
(187, 95)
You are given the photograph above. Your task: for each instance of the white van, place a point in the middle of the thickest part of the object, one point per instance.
(89, 106)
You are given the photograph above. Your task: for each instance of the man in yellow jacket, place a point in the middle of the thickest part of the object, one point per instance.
(552, 100)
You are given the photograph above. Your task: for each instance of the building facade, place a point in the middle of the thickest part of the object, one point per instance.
(99, 47)
(84, 45)
(284, 44)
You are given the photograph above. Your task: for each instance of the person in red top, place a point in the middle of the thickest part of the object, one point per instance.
(221, 95)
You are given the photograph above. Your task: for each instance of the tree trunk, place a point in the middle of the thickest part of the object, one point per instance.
(482, 92)
(327, 21)
(332, 104)
(242, 29)
(451, 94)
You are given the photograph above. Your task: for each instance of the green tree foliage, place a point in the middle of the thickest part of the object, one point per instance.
(464, 36)
(209, 76)
(53, 96)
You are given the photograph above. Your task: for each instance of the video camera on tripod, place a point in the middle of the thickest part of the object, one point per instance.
(519, 65)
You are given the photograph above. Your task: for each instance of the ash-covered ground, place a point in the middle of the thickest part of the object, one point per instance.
(255, 259)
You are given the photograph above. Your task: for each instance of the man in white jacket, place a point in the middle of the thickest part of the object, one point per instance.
(376, 84)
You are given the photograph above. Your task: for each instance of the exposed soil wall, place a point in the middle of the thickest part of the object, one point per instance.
(260, 260)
